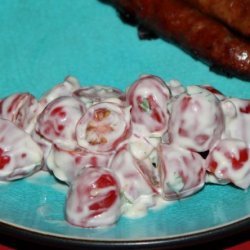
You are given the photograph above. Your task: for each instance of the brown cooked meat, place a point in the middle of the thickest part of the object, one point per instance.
(234, 13)
(203, 36)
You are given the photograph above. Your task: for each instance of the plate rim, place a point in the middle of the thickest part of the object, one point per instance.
(175, 241)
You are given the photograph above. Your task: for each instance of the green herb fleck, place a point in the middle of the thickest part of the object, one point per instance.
(145, 105)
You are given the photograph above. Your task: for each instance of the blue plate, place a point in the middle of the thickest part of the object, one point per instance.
(42, 42)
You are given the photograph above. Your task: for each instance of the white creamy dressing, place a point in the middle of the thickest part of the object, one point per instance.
(98, 93)
(53, 163)
(140, 147)
(140, 208)
(237, 122)
(175, 87)
(25, 156)
(66, 88)
(65, 164)
(211, 178)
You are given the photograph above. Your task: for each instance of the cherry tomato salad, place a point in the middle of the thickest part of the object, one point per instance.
(120, 151)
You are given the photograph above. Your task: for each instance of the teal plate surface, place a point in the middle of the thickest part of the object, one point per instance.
(41, 43)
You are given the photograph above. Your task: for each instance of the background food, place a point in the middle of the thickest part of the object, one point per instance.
(199, 34)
